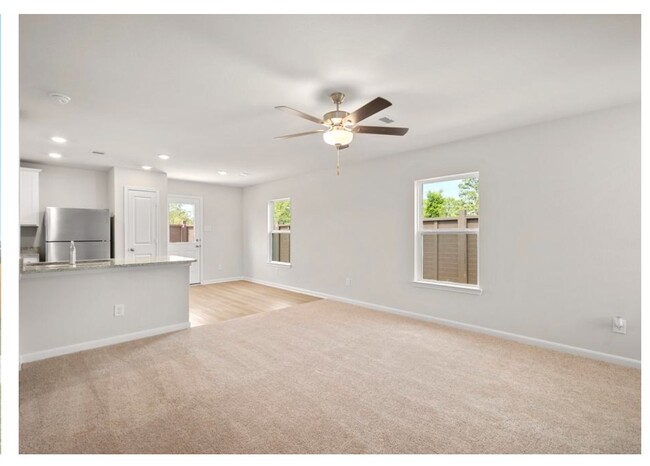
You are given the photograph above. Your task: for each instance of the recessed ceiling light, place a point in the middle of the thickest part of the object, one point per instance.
(146, 167)
(58, 139)
(244, 174)
(54, 155)
(222, 173)
(163, 157)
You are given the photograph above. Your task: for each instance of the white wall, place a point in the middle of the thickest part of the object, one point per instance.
(222, 225)
(122, 177)
(560, 231)
(66, 187)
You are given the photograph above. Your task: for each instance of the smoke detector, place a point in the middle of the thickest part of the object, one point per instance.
(59, 98)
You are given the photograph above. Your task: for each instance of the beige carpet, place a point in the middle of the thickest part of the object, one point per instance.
(326, 377)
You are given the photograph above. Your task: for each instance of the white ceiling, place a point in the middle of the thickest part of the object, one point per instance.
(203, 88)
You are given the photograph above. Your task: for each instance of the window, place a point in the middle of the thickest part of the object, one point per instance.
(181, 222)
(280, 231)
(446, 246)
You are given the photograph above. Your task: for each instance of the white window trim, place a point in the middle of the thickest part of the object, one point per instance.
(448, 286)
(271, 231)
(286, 265)
(419, 234)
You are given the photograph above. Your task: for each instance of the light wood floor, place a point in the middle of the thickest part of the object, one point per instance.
(210, 304)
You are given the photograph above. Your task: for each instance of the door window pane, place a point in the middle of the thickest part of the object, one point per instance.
(181, 222)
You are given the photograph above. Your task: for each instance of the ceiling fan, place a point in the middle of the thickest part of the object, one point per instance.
(340, 125)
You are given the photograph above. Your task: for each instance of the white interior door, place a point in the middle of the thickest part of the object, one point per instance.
(141, 223)
(186, 230)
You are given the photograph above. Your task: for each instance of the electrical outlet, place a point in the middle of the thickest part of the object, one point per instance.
(220, 267)
(118, 310)
(348, 282)
(619, 325)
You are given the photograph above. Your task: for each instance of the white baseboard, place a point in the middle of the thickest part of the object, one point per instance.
(60, 351)
(473, 328)
(315, 294)
(221, 280)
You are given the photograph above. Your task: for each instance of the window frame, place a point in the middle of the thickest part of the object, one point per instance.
(271, 231)
(420, 233)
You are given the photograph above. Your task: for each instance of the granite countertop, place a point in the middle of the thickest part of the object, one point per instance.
(50, 267)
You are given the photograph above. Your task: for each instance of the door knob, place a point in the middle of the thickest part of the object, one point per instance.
(131, 249)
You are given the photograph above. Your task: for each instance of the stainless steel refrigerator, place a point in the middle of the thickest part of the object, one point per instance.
(88, 228)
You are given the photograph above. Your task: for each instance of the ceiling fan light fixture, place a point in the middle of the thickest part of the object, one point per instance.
(338, 136)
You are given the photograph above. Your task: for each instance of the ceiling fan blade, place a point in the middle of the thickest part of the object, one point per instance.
(369, 109)
(388, 130)
(289, 136)
(301, 114)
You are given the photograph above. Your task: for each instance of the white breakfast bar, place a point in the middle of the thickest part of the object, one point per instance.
(65, 308)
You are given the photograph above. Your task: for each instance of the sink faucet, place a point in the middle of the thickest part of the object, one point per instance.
(73, 253)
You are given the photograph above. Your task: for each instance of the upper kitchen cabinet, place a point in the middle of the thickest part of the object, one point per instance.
(29, 206)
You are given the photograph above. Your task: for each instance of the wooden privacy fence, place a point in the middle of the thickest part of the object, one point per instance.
(281, 249)
(181, 233)
(450, 257)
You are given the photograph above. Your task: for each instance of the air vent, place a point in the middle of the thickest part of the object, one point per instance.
(386, 120)
(96, 152)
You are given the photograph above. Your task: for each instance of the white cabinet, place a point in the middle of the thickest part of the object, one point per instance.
(29, 215)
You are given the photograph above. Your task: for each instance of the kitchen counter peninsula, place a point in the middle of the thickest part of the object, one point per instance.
(68, 308)
(101, 264)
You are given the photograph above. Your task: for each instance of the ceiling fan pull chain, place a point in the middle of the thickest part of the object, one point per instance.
(338, 161)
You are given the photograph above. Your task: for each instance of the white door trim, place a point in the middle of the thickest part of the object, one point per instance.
(199, 199)
(128, 188)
